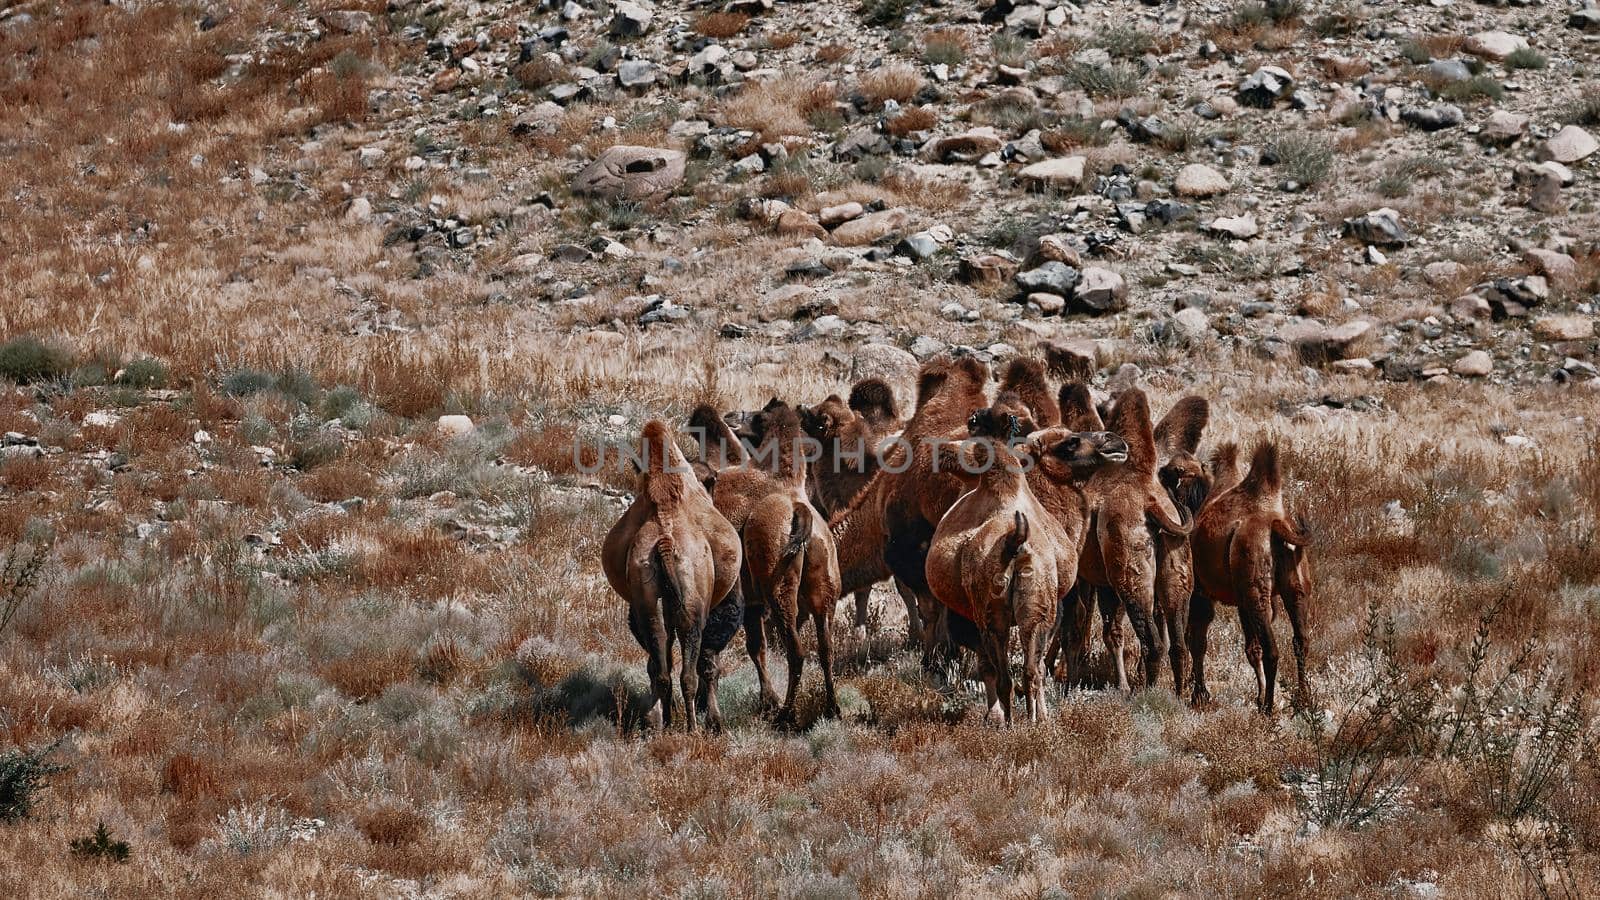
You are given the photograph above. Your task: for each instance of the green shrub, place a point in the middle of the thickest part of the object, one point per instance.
(1526, 58)
(1474, 89)
(245, 382)
(1117, 80)
(23, 774)
(1304, 158)
(885, 12)
(145, 372)
(1125, 41)
(28, 359)
(100, 845)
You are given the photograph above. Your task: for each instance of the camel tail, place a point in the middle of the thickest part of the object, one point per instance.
(669, 580)
(1014, 556)
(1296, 533)
(1265, 478)
(1156, 513)
(799, 532)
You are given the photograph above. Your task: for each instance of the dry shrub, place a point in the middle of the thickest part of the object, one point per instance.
(368, 672)
(391, 824)
(540, 72)
(772, 108)
(832, 53)
(898, 82)
(913, 118)
(554, 448)
(721, 25)
(932, 194)
(26, 473)
(338, 481)
(190, 776)
(783, 40)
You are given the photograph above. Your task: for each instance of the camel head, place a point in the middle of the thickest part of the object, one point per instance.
(823, 420)
(997, 423)
(1186, 481)
(1073, 455)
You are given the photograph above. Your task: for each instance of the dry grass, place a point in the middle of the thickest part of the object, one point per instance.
(721, 25)
(898, 82)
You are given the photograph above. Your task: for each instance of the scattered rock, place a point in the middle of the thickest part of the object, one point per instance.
(1433, 118)
(1065, 172)
(630, 20)
(831, 216)
(347, 21)
(870, 228)
(1569, 145)
(988, 268)
(1380, 228)
(631, 173)
(1100, 291)
(1503, 129)
(1196, 180)
(1553, 265)
(1239, 227)
(1476, 364)
(1265, 86)
(1564, 328)
(966, 147)
(1495, 45)
(1191, 325)
(886, 361)
(454, 426)
(1053, 277)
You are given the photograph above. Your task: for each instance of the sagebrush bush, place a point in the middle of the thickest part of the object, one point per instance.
(1117, 80)
(1305, 158)
(27, 359)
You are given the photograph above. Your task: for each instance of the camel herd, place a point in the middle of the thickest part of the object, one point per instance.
(1017, 512)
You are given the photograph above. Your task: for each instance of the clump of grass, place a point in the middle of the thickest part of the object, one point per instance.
(1009, 49)
(1476, 89)
(912, 119)
(1075, 132)
(1586, 109)
(947, 46)
(27, 359)
(246, 382)
(1125, 41)
(145, 372)
(1415, 53)
(1397, 181)
(1305, 158)
(721, 25)
(1117, 81)
(894, 82)
(1526, 58)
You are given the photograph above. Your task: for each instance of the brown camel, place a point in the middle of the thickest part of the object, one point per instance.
(791, 571)
(851, 437)
(885, 529)
(676, 561)
(1131, 514)
(1248, 554)
(1001, 558)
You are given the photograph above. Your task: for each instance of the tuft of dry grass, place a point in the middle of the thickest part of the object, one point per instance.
(721, 25)
(898, 82)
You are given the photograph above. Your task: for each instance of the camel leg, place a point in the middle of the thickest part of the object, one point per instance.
(863, 606)
(1258, 650)
(1112, 635)
(1291, 605)
(1201, 612)
(660, 668)
(787, 618)
(1174, 585)
(825, 660)
(710, 672)
(1032, 671)
(689, 676)
(914, 624)
(987, 672)
(998, 642)
(755, 643)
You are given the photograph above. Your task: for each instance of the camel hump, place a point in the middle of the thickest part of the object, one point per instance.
(1130, 420)
(874, 399)
(1179, 431)
(1265, 478)
(1077, 408)
(1026, 377)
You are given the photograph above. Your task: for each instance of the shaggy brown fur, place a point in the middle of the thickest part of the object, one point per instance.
(1121, 555)
(1248, 554)
(676, 561)
(1067, 364)
(850, 437)
(886, 528)
(1026, 379)
(1008, 549)
(791, 571)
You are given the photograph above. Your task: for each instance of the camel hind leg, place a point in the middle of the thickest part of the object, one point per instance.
(1201, 612)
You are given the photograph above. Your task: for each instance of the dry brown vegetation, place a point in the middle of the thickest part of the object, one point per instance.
(322, 649)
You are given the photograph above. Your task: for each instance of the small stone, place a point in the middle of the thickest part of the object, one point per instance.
(1191, 324)
(1433, 118)
(870, 227)
(1503, 129)
(1240, 227)
(454, 426)
(924, 347)
(799, 222)
(831, 216)
(359, 210)
(1449, 70)
(1564, 328)
(1569, 145)
(1496, 45)
(966, 147)
(1053, 277)
(1381, 227)
(632, 173)
(886, 361)
(635, 73)
(1049, 304)
(1065, 172)
(1476, 364)
(1265, 86)
(1555, 266)
(988, 268)
(1101, 290)
(347, 21)
(1196, 180)
(918, 246)
(630, 20)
